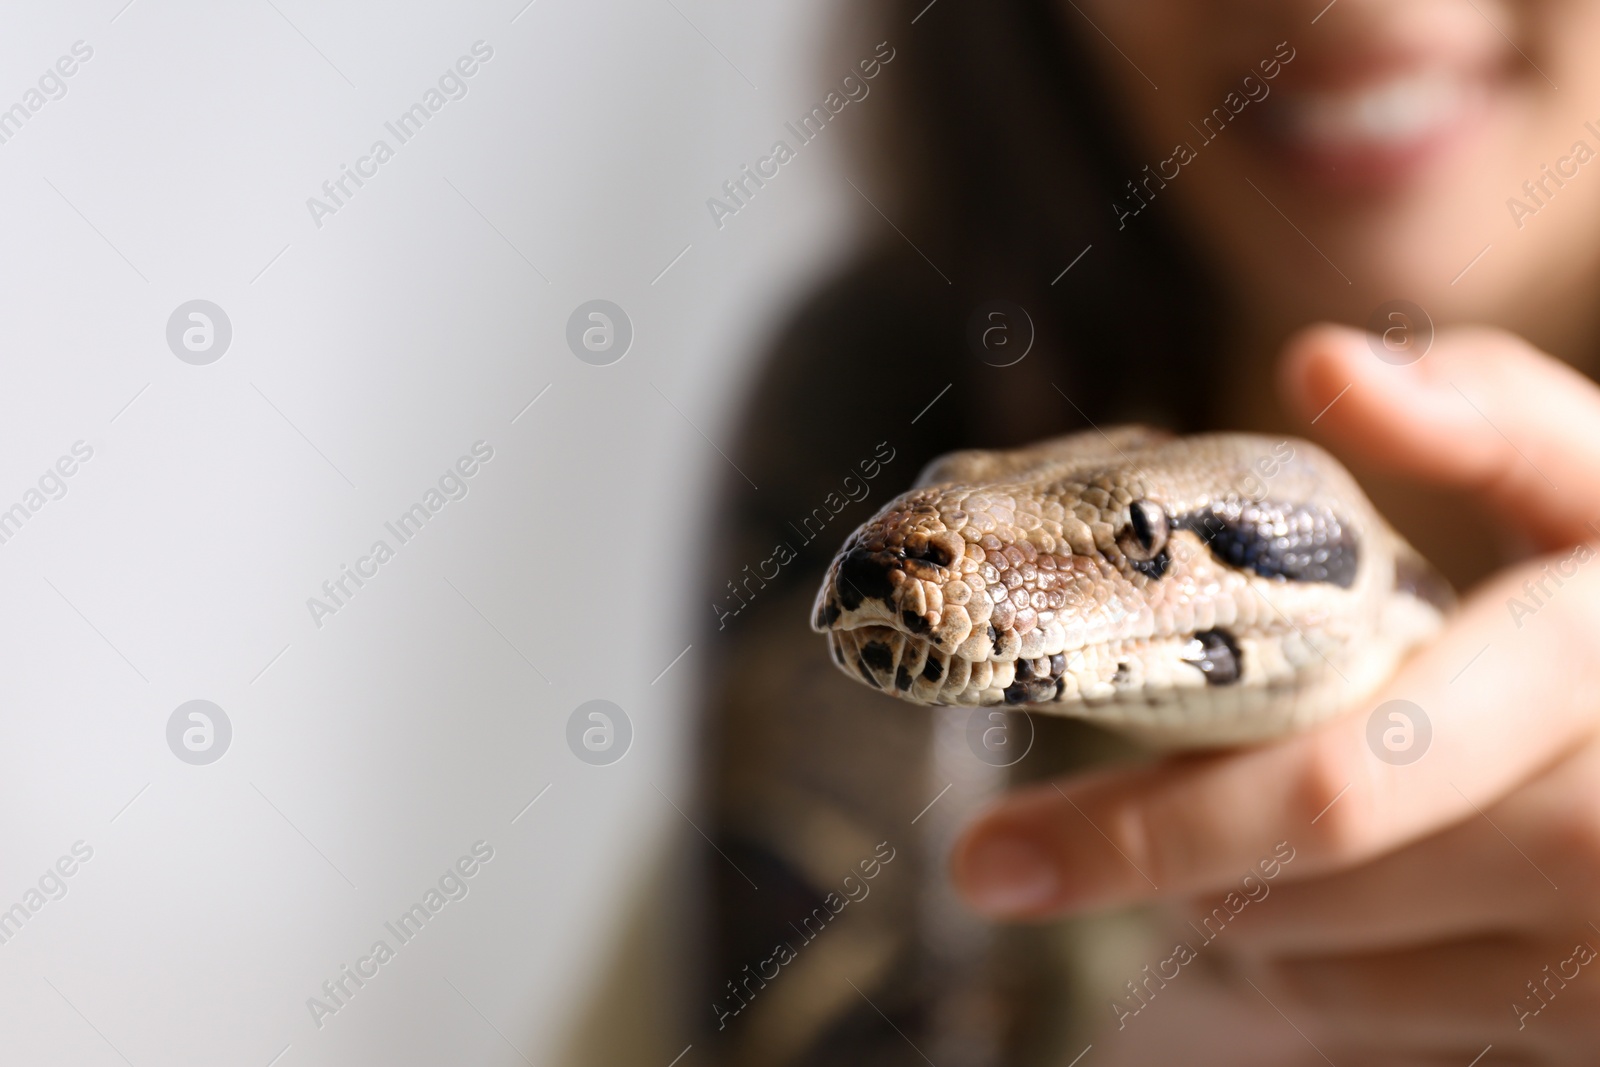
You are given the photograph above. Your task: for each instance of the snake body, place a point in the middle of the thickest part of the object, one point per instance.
(1194, 591)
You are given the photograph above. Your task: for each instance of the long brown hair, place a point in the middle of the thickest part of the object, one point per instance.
(998, 151)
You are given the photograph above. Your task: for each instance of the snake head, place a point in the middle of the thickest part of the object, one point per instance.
(1225, 584)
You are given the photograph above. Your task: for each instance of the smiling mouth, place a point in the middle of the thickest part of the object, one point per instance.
(1381, 129)
(1397, 112)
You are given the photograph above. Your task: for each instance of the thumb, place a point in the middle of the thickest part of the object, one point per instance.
(1482, 410)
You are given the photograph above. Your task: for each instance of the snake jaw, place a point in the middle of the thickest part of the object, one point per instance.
(896, 614)
(916, 670)
(914, 616)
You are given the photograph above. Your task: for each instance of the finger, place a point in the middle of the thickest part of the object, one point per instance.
(1524, 866)
(1525, 698)
(1513, 993)
(1237, 1011)
(1482, 410)
(1199, 1020)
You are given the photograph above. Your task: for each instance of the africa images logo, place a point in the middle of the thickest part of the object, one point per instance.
(454, 484)
(451, 886)
(451, 85)
(851, 89)
(1233, 104)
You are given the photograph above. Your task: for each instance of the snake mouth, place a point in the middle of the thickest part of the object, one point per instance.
(909, 623)
(916, 670)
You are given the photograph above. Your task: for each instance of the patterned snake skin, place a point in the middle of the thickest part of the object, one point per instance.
(1191, 591)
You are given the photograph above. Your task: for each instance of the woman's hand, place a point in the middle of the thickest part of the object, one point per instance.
(1431, 908)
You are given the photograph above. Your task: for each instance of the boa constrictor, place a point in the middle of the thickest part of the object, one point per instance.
(1194, 591)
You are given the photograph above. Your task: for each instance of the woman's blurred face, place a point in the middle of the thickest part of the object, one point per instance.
(1336, 157)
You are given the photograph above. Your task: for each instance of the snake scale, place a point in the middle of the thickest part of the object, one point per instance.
(1195, 591)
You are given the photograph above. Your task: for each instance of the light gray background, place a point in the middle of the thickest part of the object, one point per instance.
(368, 355)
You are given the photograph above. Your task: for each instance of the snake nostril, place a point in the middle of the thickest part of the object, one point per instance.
(930, 552)
(863, 575)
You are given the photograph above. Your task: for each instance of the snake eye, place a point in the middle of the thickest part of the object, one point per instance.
(1146, 533)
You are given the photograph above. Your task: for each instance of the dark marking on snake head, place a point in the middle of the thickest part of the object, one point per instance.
(838, 652)
(864, 574)
(931, 553)
(1294, 542)
(933, 670)
(1058, 665)
(902, 679)
(828, 614)
(1034, 692)
(1216, 653)
(871, 678)
(1124, 672)
(914, 622)
(1154, 567)
(878, 655)
(994, 638)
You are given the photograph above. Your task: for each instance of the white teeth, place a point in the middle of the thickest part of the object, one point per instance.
(1399, 110)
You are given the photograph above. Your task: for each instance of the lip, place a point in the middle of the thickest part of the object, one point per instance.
(1379, 121)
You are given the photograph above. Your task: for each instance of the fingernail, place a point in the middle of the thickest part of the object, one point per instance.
(1009, 876)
